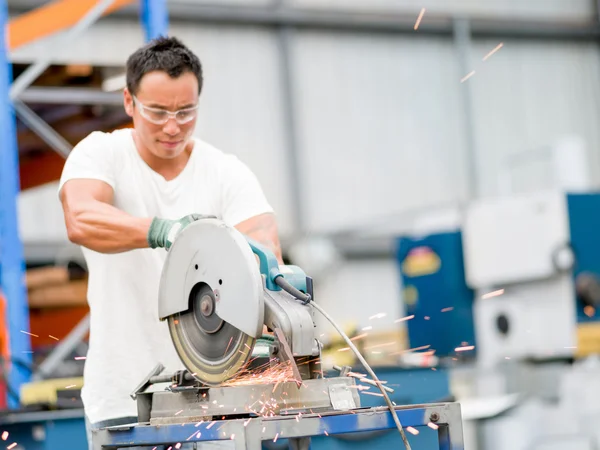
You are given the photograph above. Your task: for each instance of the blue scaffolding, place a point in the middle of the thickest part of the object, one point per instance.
(154, 17)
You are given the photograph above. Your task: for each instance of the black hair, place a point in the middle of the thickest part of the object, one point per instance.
(167, 54)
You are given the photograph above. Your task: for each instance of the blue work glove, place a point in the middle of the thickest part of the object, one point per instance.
(162, 232)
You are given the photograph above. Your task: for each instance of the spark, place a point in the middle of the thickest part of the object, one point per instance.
(30, 334)
(589, 311)
(498, 47)
(210, 425)
(467, 76)
(178, 445)
(380, 345)
(280, 373)
(448, 309)
(418, 22)
(360, 336)
(412, 430)
(13, 445)
(493, 294)
(230, 339)
(247, 421)
(373, 393)
(367, 328)
(70, 386)
(179, 412)
(507, 357)
(356, 375)
(52, 337)
(345, 349)
(402, 319)
(378, 316)
(80, 358)
(326, 433)
(571, 347)
(233, 436)
(264, 428)
(192, 435)
(464, 349)
(276, 436)
(5, 435)
(426, 317)
(424, 347)
(433, 426)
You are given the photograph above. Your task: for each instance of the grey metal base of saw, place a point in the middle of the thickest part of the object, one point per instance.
(248, 435)
(194, 404)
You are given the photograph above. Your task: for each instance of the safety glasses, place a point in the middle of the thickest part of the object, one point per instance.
(160, 116)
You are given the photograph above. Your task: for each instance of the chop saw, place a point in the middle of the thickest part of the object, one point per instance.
(218, 290)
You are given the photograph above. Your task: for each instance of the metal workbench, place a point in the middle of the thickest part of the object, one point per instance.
(248, 435)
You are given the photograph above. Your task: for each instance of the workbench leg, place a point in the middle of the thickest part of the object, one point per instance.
(450, 435)
(300, 443)
(249, 437)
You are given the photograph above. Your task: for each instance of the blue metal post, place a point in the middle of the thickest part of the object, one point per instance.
(155, 18)
(12, 266)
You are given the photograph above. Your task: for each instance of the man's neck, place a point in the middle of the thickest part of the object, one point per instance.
(167, 168)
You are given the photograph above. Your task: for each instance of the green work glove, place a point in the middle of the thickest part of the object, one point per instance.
(162, 232)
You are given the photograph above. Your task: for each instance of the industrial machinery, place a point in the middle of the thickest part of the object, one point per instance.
(518, 286)
(217, 291)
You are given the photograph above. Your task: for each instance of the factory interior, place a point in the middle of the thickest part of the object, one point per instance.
(434, 170)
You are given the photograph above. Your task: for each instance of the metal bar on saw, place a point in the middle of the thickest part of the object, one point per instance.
(39, 126)
(264, 429)
(32, 72)
(62, 350)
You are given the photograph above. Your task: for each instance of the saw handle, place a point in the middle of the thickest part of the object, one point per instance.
(289, 278)
(269, 267)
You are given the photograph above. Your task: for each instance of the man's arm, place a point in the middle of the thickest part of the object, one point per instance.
(93, 222)
(263, 229)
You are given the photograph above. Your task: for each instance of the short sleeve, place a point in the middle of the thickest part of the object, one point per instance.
(242, 195)
(91, 158)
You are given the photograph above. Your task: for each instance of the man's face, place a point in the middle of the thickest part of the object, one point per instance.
(159, 93)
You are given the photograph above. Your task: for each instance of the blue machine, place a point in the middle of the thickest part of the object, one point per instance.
(435, 292)
(584, 225)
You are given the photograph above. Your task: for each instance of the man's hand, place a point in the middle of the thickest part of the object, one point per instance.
(162, 232)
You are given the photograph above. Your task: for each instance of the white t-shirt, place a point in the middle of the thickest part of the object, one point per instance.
(126, 338)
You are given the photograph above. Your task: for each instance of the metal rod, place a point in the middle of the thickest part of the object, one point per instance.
(369, 370)
(462, 40)
(12, 265)
(371, 22)
(33, 71)
(63, 349)
(48, 134)
(71, 96)
(155, 17)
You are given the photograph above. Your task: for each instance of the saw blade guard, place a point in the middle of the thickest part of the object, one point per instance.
(209, 252)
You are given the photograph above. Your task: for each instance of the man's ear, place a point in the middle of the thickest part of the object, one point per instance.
(128, 102)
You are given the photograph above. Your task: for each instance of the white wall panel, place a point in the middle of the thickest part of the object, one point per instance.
(531, 95)
(357, 291)
(524, 9)
(380, 124)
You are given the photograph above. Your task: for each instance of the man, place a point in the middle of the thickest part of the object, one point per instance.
(126, 195)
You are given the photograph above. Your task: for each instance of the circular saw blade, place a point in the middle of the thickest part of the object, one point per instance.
(211, 358)
(212, 288)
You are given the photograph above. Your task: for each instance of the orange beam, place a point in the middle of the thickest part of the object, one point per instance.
(51, 18)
